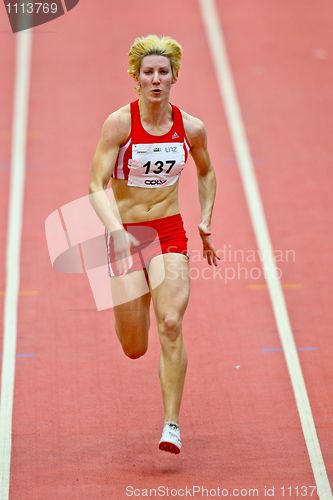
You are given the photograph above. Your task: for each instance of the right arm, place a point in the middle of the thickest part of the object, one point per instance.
(113, 133)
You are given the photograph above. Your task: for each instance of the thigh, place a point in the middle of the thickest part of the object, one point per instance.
(131, 300)
(169, 284)
(128, 288)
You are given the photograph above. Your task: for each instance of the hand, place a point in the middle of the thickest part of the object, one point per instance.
(122, 243)
(209, 251)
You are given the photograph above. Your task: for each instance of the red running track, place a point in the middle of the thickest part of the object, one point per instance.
(86, 420)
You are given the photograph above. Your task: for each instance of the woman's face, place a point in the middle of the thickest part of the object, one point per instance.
(155, 78)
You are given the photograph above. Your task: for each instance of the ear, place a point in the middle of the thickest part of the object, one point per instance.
(137, 82)
(137, 87)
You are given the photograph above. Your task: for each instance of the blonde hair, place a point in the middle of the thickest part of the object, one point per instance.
(154, 45)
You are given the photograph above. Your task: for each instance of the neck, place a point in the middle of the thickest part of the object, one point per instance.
(154, 113)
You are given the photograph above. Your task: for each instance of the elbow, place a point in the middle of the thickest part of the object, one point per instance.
(207, 173)
(211, 170)
(93, 190)
(94, 187)
(211, 174)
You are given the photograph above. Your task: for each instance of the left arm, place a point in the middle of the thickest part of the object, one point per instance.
(206, 185)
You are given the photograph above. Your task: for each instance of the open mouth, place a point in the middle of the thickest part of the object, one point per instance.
(156, 91)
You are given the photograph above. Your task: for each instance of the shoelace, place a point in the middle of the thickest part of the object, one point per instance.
(174, 427)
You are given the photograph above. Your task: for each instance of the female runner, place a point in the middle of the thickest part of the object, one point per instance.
(142, 150)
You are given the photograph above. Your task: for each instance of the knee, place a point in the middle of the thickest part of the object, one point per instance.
(170, 325)
(134, 350)
(133, 343)
(134, 353)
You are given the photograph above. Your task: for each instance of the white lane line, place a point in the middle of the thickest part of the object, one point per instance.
(14, 230)
(250, 186)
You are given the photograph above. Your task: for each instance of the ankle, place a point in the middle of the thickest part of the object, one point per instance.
(172, 421)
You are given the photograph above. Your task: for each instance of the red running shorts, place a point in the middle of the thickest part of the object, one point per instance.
(156, 237)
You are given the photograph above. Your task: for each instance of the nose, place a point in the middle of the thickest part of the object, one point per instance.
(156, 78)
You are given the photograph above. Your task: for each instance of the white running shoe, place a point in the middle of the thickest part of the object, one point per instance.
(170, 440)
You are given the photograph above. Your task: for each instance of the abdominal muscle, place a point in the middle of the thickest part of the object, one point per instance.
(136, 204)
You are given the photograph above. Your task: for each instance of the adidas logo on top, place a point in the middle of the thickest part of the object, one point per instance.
(175, 135)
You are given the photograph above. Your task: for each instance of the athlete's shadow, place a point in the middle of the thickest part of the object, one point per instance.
(163, 464)
(145, 460)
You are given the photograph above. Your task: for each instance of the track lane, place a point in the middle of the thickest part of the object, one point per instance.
(288, 132)
(7, 58)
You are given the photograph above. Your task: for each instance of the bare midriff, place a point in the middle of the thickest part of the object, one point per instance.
(136, 204)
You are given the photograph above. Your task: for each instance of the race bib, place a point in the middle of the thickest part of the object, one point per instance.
(156, 165)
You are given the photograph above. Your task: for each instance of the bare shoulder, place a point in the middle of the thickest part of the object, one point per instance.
(117, 126)
(195, 129)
